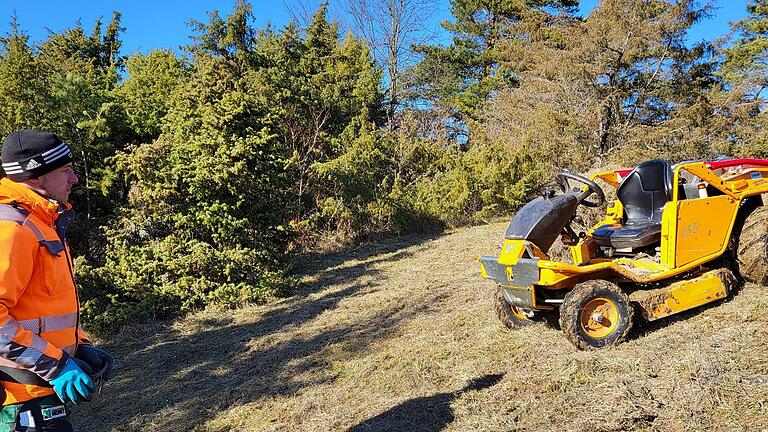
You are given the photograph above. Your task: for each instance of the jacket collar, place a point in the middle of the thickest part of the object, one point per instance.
(45, 209)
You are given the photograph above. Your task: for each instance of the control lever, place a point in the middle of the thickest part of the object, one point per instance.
(568, 236)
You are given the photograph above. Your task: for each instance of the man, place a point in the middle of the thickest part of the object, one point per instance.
(45, 358)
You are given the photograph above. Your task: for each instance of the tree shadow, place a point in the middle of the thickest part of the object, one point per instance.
(167, 376)
(424, 414)
(314, 262)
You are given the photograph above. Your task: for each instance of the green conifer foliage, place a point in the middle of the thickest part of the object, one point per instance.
(145, 95)
(461, 76)
(621, 85)
(219, 194)
(22, 87)
(204, 206)
(742, 103)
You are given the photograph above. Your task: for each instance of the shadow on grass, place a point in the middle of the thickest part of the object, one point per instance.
(170, 379)
(309, 263)
(424, 414)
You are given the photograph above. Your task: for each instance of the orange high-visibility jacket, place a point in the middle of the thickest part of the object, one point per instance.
(39, 308)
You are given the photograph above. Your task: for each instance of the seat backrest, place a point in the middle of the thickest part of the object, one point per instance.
(645, 191)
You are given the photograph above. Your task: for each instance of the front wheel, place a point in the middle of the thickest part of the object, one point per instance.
(512, 316)
(596, 314)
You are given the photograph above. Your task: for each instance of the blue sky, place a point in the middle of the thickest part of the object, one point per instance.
(164, 23)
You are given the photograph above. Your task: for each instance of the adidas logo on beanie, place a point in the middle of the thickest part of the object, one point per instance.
(29, 154)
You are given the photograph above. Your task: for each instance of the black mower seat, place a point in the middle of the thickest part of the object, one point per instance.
(643, 194)
(624, 236)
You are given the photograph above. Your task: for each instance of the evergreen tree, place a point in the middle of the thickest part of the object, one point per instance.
(744, 122)
(745, 64)
(145, 95)
(211, 199)
(23, 93)
(621, 84)
(318, 86)
(459, 78)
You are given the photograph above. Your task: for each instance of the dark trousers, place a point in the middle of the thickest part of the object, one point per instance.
(45, 414)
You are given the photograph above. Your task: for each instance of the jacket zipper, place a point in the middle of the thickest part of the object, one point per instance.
(74, 283)
(77, 295)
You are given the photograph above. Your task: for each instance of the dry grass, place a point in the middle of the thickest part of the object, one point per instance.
(401, 335)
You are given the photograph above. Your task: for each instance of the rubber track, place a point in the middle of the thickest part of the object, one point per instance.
(752, 252)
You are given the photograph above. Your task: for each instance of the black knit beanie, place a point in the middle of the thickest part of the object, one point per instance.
(29, 154)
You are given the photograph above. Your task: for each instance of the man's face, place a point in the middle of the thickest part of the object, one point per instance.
(58, 184)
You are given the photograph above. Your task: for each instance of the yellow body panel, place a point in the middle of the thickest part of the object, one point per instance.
(702, 171)
(614, 212)
(557, 274)
(700, 237)
(609, 177)
(668, 235)
(584, 251)
(683, 295)
(511, 251)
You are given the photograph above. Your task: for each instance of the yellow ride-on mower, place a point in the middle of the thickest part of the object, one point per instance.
(676, 238)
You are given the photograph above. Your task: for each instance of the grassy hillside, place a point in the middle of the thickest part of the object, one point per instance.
(401, 335)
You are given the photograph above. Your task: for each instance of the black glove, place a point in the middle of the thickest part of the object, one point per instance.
(97, 359)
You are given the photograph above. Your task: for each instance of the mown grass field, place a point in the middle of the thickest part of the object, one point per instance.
(401, 335)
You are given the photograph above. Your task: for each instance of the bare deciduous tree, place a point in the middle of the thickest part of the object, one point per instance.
(391, 28)
(302, 10)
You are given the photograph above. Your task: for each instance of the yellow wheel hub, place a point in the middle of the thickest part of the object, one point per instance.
(599, 318)
(518, 313)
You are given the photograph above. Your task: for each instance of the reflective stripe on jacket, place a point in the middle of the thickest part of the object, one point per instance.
(39, 323)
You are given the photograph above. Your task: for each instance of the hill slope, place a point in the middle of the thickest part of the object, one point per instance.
(402, 335)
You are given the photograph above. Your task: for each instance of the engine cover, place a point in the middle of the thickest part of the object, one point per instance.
(542, 220)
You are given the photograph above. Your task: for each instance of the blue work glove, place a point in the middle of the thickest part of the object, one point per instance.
(72, 384)
(97, 359)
